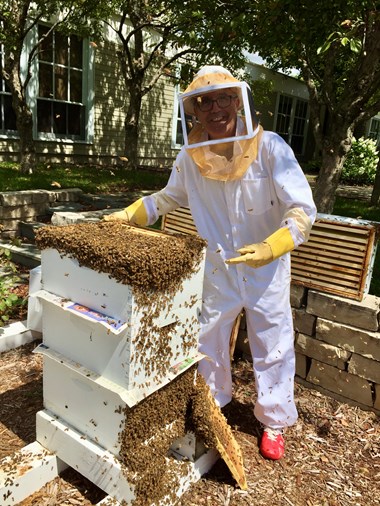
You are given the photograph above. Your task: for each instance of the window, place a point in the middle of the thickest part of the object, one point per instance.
(7, 115)
(61, 112)
(291, 121)
(177, 134)
(374, 130)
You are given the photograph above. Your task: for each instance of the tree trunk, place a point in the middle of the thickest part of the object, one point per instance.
(335, 147)
(375, 197)
(24, 122)
(132, 126)
(27, 145)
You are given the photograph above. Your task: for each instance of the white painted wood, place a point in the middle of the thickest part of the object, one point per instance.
(16, 334)
(62, 275)
(99, 465)
(90, 403)
(108, 347)
(26, 471)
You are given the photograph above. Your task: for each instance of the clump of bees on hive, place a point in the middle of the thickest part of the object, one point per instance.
(154, 265)
(151, 427)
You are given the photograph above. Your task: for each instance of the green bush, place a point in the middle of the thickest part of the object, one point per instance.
(361, 162)
(9, 301)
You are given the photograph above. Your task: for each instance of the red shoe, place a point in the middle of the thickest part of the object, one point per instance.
(272, 444)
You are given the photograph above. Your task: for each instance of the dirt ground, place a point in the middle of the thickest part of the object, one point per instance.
(332, 453)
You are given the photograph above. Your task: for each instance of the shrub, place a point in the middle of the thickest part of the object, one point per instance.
(9, 301)
(361, 162)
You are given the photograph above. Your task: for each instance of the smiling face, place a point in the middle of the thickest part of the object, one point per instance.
(217, 112)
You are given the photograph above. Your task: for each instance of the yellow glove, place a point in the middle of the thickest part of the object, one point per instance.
(135, 213)
(262, 253)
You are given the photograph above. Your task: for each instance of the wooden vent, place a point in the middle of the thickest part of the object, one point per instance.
(336, 258)
(179, 220)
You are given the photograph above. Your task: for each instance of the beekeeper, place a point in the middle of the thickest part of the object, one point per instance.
(250, 199)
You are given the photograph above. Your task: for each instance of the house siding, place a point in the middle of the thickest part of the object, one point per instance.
(110, 106)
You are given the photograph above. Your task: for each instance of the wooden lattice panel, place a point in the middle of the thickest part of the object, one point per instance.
(179, 220)
(336, 258)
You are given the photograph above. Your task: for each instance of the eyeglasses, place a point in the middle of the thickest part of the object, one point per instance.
(205, 104)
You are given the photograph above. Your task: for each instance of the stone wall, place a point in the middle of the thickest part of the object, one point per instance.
(337, 342)
(30, 206)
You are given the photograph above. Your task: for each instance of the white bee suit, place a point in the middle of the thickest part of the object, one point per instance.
(231, 214)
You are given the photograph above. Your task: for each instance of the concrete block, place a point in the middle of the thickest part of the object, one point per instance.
(70, 218)
(297, 295)
(67, 195)
(301, 365)
(322, 352)
(377, 397)
(304, 322)
(40, 196)
(363, 314)
(15, 198)
(341, 382)
(365, 368)
(350, 338)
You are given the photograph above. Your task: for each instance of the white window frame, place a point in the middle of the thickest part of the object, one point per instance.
(5, 133)
(176, 118)
(374, 133)
(87, 93)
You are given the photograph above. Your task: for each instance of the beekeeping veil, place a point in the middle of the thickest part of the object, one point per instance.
(228, 158)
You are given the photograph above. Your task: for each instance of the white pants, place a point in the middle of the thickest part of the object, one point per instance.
(271, 340)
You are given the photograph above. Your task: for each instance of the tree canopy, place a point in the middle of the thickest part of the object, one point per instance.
(336, 47)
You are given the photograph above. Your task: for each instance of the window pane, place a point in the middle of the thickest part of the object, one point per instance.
(283, 117)
(9, 114)
(297, 144)
(59, 118)
(76, 52)
(61, 84)
(45, 80)
(75, 120)
(44, 116)
(61, 49)
(75, 86)
(61, 80)
(45, 52)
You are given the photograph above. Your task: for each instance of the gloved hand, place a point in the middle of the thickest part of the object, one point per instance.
(135, 214)
(262, 253)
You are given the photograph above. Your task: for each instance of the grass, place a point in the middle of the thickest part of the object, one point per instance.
(89, 178)
(95, 179)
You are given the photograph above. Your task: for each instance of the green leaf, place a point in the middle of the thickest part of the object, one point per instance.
(322, 49)
(355, 45)
(345, 41)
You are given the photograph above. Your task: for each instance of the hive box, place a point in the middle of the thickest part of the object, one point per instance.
(88, 402)
(114, 349)
(63, 276)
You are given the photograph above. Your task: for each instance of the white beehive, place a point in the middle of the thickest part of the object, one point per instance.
(121, 352)
(105, 325)
(88, 402)
(63, 276)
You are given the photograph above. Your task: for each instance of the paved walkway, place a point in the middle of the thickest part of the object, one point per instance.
(347, 191)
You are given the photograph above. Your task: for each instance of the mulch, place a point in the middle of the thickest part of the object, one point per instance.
(332, 452)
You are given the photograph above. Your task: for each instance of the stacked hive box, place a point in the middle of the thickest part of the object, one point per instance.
(120, 311)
